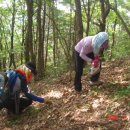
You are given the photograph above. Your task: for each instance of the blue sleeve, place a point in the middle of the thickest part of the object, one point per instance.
(34, 98)
(26, 92)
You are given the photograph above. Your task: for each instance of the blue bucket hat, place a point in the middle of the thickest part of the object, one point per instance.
(98, 40)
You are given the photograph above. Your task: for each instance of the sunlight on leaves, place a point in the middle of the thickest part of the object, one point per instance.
(96, 103)
(118, 70)
(55, 94)
(95, 116)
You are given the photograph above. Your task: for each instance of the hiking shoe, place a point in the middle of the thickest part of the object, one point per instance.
(95, 83)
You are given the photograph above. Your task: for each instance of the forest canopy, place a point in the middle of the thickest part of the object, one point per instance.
(45, 31)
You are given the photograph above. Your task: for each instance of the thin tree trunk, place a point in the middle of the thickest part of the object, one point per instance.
(12, 61)
(87, 11)
(105, 9)
(23, 34)
(88, 18)
(43, 37)
(5, 45)
(29, 37)
(1, 49)
(63, 42)
(122, 20)
(47, 40)
(113, 37)
(54, 34)
(40, 43)
(79, 24)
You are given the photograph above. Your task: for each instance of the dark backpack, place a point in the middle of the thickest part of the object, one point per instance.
(7, 82)
(12, 76)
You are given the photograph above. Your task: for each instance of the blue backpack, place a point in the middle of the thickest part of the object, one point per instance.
(7, 82)
(12, 76)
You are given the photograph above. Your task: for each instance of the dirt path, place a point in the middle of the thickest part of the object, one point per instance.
(89, 110)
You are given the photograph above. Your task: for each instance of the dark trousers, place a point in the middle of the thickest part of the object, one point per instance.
(24, 102)
(79, 64)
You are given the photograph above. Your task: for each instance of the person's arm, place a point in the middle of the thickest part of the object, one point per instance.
(34, 97)
(25, 90)
(83, 54)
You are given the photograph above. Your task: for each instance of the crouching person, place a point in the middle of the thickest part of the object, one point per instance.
(18, 80)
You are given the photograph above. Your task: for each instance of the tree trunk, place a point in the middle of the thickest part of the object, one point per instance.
(43, 36)
(62, 40)
(23, 33)
(113, 37)
(5, 47)
(47, 40)
(105, 9)
(40, 43)
(87, 11)
(1, 49)
(79, 24)
(29, 37)
(54, 34)
(12, 61)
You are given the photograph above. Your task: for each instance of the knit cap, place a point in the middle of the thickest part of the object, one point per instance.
(32, 67)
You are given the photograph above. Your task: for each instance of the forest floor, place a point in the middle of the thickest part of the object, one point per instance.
(104, 107)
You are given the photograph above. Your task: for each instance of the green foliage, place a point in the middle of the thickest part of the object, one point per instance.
(68, 2)
(55, 71)
(48, 2)
(63, 21)
(3, 54)
(122, 47)
(122, 92)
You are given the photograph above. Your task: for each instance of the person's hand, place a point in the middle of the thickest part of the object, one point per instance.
(95, 62)
(47, 101)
